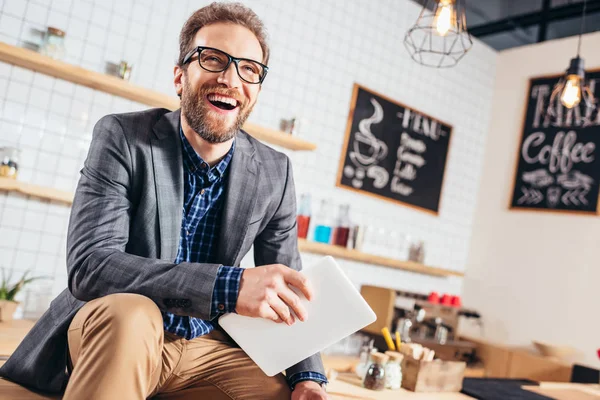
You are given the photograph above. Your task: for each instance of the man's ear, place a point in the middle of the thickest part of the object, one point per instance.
(177, 79)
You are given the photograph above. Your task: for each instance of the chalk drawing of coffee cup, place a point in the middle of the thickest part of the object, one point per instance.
(553, 196)
(367, 150)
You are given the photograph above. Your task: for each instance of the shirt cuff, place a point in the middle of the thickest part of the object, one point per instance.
(226, 290)
(306, 376)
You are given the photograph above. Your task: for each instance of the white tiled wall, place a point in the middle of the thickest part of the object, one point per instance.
(319, 49)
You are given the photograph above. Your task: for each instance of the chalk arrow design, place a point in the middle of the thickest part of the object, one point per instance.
(575, 197)
(530, 196)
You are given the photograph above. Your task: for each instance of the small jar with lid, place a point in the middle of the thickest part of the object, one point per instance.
(54, 43)
(9, 162)
(393, 370)
(375, 375)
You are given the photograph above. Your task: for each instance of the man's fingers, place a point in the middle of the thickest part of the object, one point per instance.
(267, 312)
(292, 300)
(300, 282)
(282, 310)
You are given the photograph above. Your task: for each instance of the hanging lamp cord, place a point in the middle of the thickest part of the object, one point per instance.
(582, 27)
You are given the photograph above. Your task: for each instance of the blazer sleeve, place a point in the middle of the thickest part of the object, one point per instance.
(278, 244)
(99, 227)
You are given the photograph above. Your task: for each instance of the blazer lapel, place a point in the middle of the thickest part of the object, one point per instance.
(168, 178)
(240, 198)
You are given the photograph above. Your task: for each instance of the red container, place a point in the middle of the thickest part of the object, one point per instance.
(303, 222)
(456, 302)
(340, 236)
(433, 298)
(446, 300)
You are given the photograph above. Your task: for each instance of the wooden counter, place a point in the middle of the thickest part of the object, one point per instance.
(503, 361)
(11, 334)
(348, 386)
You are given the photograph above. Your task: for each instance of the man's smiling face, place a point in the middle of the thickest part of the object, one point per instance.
(216, 104)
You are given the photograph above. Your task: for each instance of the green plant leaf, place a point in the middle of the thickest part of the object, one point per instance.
(4, 280)
(12, 293)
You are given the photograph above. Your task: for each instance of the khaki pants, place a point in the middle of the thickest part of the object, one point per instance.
(119, 350)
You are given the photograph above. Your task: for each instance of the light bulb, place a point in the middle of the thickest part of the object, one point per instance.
(443, 17)
(571, 94)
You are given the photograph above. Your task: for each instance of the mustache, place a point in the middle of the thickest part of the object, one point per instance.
(204, 91)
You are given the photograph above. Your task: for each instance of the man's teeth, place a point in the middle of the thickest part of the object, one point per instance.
(222, 99)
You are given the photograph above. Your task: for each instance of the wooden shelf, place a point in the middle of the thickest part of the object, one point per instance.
(341, 252)
(13, 185)
(34, 61)
(278, 138)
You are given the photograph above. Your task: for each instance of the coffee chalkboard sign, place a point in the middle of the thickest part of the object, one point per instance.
(558, 164)
(393, 152)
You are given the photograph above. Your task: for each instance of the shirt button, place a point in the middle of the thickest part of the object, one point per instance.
(221, 307)
(204, 165)
(187, 232)
(202, 191)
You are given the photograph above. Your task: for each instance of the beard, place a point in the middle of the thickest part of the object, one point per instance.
(207, 123)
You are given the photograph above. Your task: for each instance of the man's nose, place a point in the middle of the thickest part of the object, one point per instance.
(230, 76)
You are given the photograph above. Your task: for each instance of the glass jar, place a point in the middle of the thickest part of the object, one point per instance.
(342, 228)
(375, 375)
(54, 43)
(125, 70)
(323, 222)
(393, 370)
(9, 162)
(303, 217)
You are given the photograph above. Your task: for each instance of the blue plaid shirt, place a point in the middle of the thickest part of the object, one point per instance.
(203, 197)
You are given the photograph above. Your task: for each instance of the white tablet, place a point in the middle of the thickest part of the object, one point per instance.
(336, 311)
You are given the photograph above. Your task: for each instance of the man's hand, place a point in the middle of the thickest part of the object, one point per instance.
(308, 390)
(264, 293)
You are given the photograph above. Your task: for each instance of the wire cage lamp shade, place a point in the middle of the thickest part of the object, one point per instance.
(439, 38)
(572, 90)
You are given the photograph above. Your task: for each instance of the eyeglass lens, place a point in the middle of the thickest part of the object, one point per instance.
(216, 61)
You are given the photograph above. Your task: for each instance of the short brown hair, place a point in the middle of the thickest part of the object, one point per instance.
(236, 13)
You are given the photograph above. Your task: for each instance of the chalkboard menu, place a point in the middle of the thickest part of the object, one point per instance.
(558, 164)
(393, 152)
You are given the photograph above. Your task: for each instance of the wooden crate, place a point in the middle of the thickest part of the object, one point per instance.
(432, 376)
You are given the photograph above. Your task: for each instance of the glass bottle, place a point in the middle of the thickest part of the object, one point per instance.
(304, 212)
(364, 362)
(342, 226)
(323, 222)
(393, 370)
(375, 376)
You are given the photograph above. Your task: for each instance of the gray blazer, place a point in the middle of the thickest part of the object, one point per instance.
(124, 232)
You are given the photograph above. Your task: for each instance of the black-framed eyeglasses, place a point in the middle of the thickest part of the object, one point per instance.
(215, 60)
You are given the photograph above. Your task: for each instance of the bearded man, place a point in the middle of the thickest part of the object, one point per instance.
(167, 205)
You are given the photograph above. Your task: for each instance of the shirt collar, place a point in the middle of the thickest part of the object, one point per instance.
(195, 164)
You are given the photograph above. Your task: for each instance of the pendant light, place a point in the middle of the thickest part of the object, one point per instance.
(439, 38)
(571, 90)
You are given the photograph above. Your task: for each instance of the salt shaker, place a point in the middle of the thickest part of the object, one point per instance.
(393, 371)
